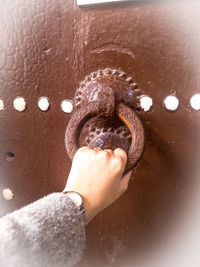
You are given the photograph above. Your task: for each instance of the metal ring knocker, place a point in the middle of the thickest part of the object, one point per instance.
(124, 113)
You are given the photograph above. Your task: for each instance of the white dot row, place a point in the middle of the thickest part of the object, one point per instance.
(171, 103)
(20, 105)
(7, 194)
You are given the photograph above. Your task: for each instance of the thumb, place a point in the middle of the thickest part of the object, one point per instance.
(124, 182)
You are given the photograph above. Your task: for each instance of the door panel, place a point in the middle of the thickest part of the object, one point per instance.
(47, 48)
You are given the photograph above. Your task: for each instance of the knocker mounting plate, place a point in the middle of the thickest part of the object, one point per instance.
(104, 116)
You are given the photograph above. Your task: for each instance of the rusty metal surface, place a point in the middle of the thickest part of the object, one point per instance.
(46, 49)
(125, 89)
(104, 95)
(129, 117)
(126, 114)
(109, 140)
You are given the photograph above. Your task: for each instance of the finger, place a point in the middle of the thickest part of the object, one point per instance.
(84, 148)
(84, 151)
(97, 148)
(119, 152)
(109, 151)
(124, 182)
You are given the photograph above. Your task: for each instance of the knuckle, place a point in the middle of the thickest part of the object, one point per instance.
(109, 151)
(121, 153)
(83, 151)
(104, 154)
(120, 150)
(118, 162)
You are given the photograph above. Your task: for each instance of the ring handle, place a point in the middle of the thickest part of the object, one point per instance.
(124, 113)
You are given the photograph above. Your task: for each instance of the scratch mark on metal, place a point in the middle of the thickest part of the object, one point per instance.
(113, 47)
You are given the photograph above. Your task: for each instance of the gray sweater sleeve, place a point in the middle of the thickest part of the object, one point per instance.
(48, 232)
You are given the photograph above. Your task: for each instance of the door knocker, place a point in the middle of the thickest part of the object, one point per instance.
(104, 116)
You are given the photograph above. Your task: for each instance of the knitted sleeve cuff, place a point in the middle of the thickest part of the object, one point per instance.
(48, 232)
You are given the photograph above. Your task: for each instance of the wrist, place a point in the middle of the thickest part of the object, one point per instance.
(78, 201)
(90, 211)
(83, 204)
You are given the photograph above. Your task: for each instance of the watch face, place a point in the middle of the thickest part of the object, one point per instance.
(75, 197)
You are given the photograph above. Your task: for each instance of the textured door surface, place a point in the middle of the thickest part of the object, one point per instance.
(46, 50)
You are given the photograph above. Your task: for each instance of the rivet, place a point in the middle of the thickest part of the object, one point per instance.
(67, 106)
(19, 104)
(7, 194)
(9, 156)
(171, 103)
(1, 105)
(47, 51)
(146, 103)
(195, 101)
(43, 103)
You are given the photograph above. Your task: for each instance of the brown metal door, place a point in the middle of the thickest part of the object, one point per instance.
(46, 49)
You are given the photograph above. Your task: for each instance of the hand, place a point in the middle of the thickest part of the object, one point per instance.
(97, 176)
